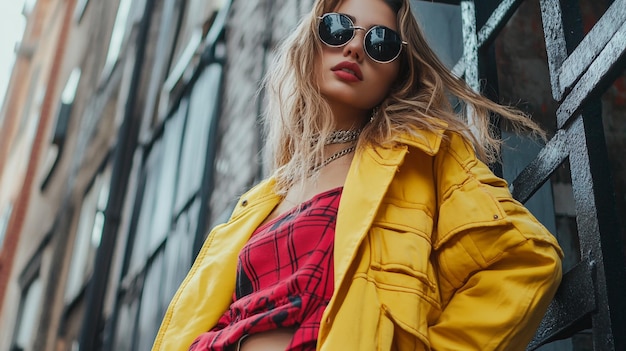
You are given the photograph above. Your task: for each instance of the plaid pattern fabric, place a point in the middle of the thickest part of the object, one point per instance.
(284, 278)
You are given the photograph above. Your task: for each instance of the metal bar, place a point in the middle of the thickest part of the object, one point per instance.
(598, 226)
(605, 66)
(499, 17)
(593, 43)
(489, 31)
(470, 47)
(555, 42)
(535, 174)
(572, 304)
(459, 68)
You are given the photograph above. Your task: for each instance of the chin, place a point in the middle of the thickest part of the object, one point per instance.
(352, 99)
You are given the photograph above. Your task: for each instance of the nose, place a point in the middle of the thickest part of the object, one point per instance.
(354, 48)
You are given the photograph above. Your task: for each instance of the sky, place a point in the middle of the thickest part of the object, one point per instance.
(12, 24)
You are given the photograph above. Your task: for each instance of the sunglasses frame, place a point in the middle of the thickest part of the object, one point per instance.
(354, 29)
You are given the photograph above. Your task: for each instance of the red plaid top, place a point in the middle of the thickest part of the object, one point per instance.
(284, 278)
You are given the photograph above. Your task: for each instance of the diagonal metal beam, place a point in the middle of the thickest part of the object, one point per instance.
(498, 19)
(592, 45)
(539, 170)
(571, 306)
(489, 31)
(601, 70)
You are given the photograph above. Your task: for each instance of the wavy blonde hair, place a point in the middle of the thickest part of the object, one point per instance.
(419, 99)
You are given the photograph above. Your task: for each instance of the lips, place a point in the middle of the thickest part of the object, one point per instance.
(348, 71)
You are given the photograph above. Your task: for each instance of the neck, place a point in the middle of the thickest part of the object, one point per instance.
(348, 118)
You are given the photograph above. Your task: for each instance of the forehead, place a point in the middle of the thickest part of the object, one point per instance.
(367, 13)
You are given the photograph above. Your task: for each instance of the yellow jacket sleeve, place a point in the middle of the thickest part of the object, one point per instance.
(498, 267)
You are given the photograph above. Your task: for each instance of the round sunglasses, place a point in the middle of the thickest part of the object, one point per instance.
(381, 44)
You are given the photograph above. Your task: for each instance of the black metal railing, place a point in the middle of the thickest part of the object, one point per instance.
(581, 67)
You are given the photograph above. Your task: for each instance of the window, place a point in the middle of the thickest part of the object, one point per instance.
(4, 223)
(170, 199)
(88, 235)
(117, 37)
(150, 314)
(26, 326)
(168, 215)
(125, 330)
(79, 10)
(202, 105)
(62, 124)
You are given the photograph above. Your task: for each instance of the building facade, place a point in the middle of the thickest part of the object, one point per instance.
(131, 127)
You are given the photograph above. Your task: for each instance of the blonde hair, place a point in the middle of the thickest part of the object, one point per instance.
(297, 113)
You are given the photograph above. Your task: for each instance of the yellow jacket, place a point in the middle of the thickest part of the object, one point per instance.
(431, 253)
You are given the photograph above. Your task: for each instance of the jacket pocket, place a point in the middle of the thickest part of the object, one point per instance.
(394, 335)
(486, 221)
(402, 271)
(470, 206)
(405, 254)
(400, 243)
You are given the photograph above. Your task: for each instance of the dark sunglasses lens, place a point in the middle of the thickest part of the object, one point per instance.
(335, 29)
(383, 44)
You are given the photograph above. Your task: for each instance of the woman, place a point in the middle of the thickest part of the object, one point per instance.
(379, 229)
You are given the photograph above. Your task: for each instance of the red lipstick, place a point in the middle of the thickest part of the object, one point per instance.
(348, 71)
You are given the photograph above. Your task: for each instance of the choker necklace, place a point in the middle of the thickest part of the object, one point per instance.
(342, 136)
(339, 137)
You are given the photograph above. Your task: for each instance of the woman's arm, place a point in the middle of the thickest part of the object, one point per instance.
(498, 267)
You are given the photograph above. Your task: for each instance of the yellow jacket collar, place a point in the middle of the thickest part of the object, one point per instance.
(425, 140)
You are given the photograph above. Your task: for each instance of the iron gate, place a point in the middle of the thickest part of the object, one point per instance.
(581, 67)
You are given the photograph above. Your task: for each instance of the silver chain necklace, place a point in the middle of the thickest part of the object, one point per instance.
(342, 136)
(339, 137)
(335, 156)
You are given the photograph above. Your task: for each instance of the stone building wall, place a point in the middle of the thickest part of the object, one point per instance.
(253, 30)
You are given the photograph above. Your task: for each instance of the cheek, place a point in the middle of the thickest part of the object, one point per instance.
(389, 76)
(394, 71)
(320, 66)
